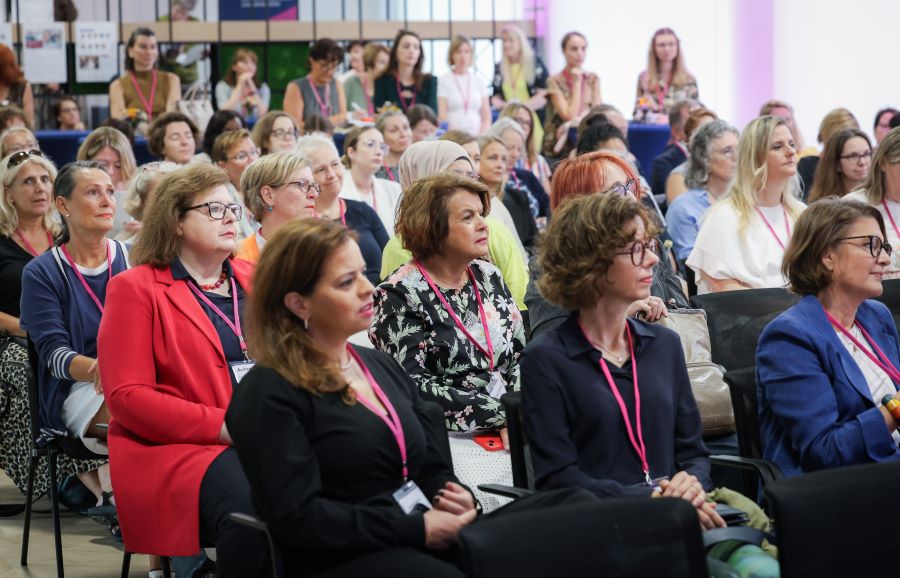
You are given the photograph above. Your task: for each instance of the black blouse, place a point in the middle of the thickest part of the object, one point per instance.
(13, 259)
(322, 473)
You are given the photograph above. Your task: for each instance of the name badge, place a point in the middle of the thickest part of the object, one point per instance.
(497, 386)
(240, 368)
(411, 499)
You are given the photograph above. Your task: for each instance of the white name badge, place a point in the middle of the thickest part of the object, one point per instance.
(497, 386)
(240, 368)
(410, 498)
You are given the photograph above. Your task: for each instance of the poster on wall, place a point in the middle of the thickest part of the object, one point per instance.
(258, 9)
(95, 51)
(44, 52)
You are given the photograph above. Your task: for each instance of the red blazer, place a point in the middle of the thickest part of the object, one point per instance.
(167, 386)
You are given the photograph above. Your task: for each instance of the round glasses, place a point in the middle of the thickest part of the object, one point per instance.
(638, 251)
(873, 243)
(216, 210)
(284, 132)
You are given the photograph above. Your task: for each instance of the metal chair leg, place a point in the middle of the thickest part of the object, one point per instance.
(126, 564)
(29, 496)
(54, 498)
(166, 566)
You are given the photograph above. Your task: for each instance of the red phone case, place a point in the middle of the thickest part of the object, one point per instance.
(490, 442)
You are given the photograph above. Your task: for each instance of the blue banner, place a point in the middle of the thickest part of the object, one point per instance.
(258, 9)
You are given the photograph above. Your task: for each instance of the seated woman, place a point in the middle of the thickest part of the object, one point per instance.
(843, 165)
(364, 151)
(512, 134)
(665, 81)
(276, 131)
(63, 295)
(450, 320)
(239, 91)
(520, 76)
(675, 182)
(67, 114)
(826, 365)
(111, 149)
(462, 97)
(513, 210)
(394, 127)
(17, 138)
(531, 160)
(835, 121)
(403, 83)
(233, 151)
(359, 89)
(222, 121)
(592, 174)
(423, 122)
(328, 172)
(172, 350)
(504, 249)
(882, 191)
(319, 92)
(140, 192)
(742, 239)
(173, 137)
(580, 380)
(278, 188)
(711, 167)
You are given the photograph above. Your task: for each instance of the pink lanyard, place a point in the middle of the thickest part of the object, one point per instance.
(28, 246)
(365, 86)
(236, 326)
(489, 351)
(787, 226)
(78, 274)
(148, 104)
(403, 104)
(883, 363)
(637, 443)
(890, 217)
(343, 208)
(391, 420)
(661, 95)
(465, 96)
(324, 107)
(390, 176)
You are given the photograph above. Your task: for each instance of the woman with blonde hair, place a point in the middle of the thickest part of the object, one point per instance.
(741, 242)
(462, 97)
(520, 76)
(141, 189)
(111, 148)
(532, 160)
(843, 165)
(882, 190)
(665, 81)
(784, 110)
(397, 134)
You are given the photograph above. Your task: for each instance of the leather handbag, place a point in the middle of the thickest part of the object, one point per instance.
(707, 378)
(196, 105)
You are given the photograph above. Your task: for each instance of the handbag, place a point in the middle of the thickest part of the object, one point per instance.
(707, 378)
(196, 105)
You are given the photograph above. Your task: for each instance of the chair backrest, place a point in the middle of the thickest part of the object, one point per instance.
(836, 522)
(742, 386)
(890, 296)
(520, 457)
(610, 538)
(34, 400)
(737, 318)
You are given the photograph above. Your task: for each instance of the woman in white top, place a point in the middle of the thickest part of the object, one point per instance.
(882, 190)
(364, 155)
(462, 95)
(741, 242)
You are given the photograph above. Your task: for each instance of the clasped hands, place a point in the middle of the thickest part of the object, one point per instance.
(687, 487)
(454, 508)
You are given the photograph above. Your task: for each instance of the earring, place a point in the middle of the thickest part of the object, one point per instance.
(269, 208)
(305, 324)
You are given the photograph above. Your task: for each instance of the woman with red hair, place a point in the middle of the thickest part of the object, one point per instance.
(600, 173)
(14, 89)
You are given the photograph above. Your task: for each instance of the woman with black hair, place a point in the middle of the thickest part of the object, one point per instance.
(143, 87)
(404, 84)
(318, 92)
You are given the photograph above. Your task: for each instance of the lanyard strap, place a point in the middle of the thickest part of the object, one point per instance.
(78, 274)
(890, 217)
(489, 351)
(883, 363)
(391, 420)
(28, 246)
(465, 95)
(236, 326)
(787, 225)
(403, 104)
(324, 107)
(661, 95)
(390, 174)
(365, 86)
(637, 442)
(343, 209)
(148, 104)
(571, 84)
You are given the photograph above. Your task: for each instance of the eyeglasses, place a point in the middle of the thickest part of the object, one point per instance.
(303, 184)
(630, 186)
(327, 64)
(374, 145)
(728, 152)
(244, 156)
(856, 158)
(18, 158)
(874, 243)
(216, 210)
(639, 250)
(468, 174)
(283, 132)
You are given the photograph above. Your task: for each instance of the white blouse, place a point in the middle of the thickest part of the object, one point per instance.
(752, 258)
(384, 198)
(464, 94)
(892, 271)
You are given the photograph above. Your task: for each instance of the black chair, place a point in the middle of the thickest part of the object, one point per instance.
(891, 297)
(70, 446)
(837, 522)
(737, 318)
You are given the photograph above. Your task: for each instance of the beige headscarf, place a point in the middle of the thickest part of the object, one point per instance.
(426, 158)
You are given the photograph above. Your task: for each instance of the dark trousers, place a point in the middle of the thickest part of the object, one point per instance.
(240, 551)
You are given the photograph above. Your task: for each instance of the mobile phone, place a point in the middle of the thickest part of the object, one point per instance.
(491, 442)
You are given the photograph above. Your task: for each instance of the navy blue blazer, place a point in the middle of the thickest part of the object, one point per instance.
(576, 431)
(815, 408)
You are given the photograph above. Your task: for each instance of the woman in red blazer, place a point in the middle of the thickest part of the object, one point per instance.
(170, 351)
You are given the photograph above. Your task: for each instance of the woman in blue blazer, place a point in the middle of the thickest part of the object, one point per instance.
(825, 364)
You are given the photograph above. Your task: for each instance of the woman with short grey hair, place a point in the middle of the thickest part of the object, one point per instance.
(710, 169)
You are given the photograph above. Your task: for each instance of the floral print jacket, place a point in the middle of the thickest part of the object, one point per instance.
(412, 325)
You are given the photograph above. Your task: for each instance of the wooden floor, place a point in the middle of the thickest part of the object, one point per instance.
(88, 549)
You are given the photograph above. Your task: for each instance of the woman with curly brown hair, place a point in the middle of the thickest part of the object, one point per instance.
(14, 89)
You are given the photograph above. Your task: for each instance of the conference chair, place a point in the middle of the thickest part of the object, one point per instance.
(837, 522)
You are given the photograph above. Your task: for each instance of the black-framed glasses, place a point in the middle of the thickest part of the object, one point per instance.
(623, 190)
(216, 210)
(303, 184)
(856, 158)
(639, 250)
(874, 243)
(18, 158)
